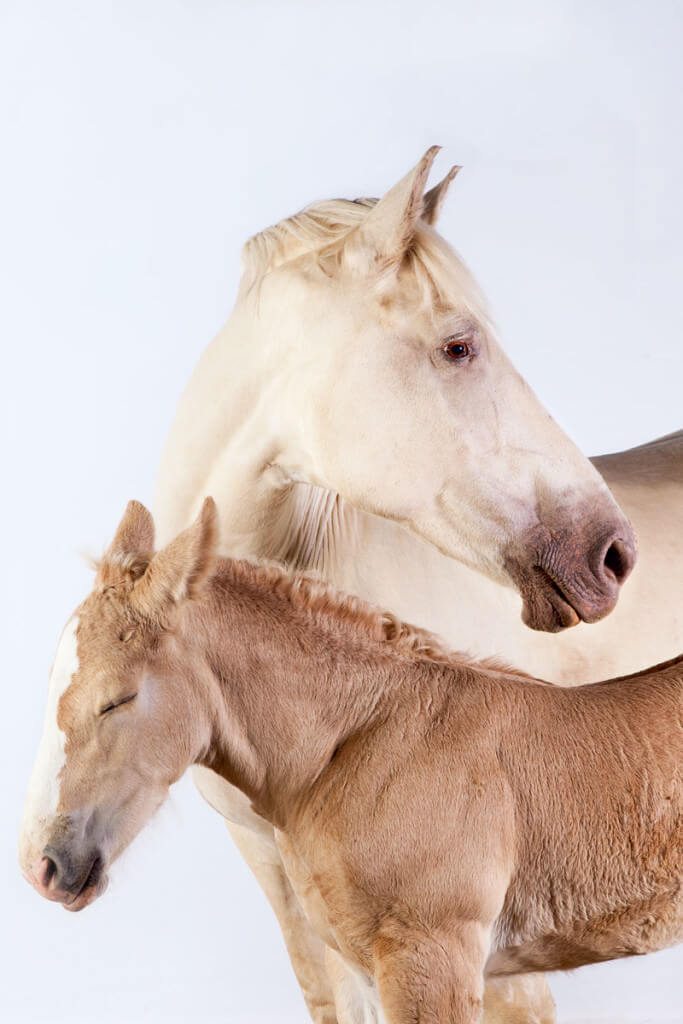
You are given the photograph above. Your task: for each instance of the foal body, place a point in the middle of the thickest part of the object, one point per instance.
(441, 820)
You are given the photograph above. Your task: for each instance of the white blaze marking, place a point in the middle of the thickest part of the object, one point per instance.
(43, 793)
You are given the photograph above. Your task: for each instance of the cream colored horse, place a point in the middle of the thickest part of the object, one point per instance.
(442, 819)
(357, 415)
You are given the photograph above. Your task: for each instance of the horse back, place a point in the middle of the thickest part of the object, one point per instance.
(655, 462)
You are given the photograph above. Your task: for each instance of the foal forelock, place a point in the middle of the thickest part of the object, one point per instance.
(322, 228)
(43, 795)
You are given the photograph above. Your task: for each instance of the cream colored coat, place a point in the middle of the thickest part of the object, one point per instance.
(287, 421)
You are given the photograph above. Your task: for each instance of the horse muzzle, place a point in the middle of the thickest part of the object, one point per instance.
(74, 880)
(572, 574)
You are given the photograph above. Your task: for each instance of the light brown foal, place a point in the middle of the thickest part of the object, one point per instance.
(442, 820)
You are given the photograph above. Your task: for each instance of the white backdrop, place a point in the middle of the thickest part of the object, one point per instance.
(142, 142)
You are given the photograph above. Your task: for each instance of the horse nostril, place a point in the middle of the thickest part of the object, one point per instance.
(619, 560)
(47, 871)
(55, 868)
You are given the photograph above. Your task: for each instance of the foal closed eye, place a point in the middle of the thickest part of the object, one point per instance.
(117, 703)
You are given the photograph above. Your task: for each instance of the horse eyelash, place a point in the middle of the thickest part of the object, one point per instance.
(117, 704)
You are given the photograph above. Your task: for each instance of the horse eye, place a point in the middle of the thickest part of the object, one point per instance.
(117, 704)
(456, 348)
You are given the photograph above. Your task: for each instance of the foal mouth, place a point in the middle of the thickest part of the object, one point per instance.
(93, 886)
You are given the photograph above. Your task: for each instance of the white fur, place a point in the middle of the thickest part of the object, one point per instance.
(43, 794)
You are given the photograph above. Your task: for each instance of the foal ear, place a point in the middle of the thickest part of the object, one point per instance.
(132, 546)
(178, 571)
(433, 200)
(387, 232)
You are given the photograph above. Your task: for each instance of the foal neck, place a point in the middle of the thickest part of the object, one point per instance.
(297, 668)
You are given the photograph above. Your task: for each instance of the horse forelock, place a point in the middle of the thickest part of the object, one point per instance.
(322, 228)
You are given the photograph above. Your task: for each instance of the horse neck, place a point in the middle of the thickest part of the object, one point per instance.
(270, 508)
(229, 447)
(308, 527)
(290, 684)
(261, 481)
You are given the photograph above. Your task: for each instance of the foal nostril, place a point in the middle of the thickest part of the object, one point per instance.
(619, 559)
(46, 872)
(54, 868)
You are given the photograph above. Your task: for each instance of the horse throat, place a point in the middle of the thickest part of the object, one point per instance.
(308, 527)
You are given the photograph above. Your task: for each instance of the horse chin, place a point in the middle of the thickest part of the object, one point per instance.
(545, 606)
(87, 895)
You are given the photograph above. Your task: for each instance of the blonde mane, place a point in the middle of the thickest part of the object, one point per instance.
(322, 228)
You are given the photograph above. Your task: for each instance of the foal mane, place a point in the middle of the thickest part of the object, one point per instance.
(323, 602)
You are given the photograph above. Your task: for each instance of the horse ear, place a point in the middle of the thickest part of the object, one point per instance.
(178, 571)
(433, 200)
(132, 546)
(387, 232)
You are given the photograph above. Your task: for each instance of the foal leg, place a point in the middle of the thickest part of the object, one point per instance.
(255, 839)
(519, 999)
(305, 948)
(355, 995)
(433, 979)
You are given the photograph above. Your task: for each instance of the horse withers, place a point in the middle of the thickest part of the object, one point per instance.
(442, 820)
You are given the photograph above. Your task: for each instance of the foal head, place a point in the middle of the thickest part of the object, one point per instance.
(125, 715)
(386, 383)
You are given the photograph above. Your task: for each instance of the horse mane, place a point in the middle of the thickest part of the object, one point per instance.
(307, 521)
(319, 226)
(322, 228)
(322, 601)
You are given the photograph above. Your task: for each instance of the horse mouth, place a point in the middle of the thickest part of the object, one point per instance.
(546, 605)
(93, 886)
